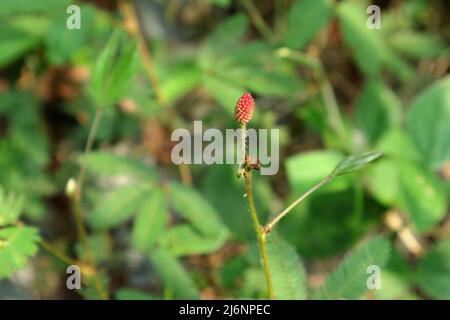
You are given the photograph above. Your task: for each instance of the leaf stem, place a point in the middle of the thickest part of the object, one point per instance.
(283, 213)
(259, 233)
(76, 199)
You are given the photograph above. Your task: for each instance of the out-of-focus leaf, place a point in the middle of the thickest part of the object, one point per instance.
(433, 272)
(107, 163)
(118, 206)
(223, 91)
(114, 68)
(349, 280)
(305, 19)
(367, 45)
(224, 191)
(397, 143)
(17, 244)
(61, 42)
(11, 207)
(377, 110)
(179, 79)
(396, 279)
(11, 7)
(185, 240)
(428, 123)
(384, 181)
(416, 45)
(422, 196)
(286, 270)
(132, 294)
(308, 168)
(195, 208)
(355, 163)
(206, 232)
(150, 221)
(173, 275)
(20, 34)
(99, 245)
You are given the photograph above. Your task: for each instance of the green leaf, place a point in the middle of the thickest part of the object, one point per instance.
(175, 278)
(417, 45)
(150, 221)
(384, 181)
(308, 168)
(17, 244)
(109, 164)
(223, 91)
(100, 246)
(305, 19)
(19, 35)
(179, 79)
(349, 280)
(114, 68)
(118, 206)
(422, 196)
(428, 123)
(355, 163)
(185, 240)
(377, 110)
(196, 209)
(286, 270)
(433, 272)
(367, 45)
(132, 294)
(206, 233)
(11, 207)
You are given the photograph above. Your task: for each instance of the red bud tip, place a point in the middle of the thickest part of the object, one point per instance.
(244, 108)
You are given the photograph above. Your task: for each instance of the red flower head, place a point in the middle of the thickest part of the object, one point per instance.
(244, 108)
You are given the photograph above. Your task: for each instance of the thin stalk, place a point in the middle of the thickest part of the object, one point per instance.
(76, 199)
(258, 20)
(283, 213)
(259, 233)
(87, 148)
(56, 252)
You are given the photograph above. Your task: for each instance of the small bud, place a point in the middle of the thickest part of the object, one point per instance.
(71, 187)
(244, 108)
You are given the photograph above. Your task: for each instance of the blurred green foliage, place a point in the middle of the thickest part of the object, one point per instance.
(330, 84)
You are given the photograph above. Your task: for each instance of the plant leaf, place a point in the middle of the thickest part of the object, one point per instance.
(17, 244)
(118, 206)
(354, 163)
(433, 272)
(11, 207)
(309, 16)
(107, 163)
(206, 233)
(428, 123)
(349, 280)
(150, 221)
(175, 278)
(114, 69)
(286, 270)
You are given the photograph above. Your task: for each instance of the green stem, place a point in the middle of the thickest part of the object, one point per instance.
(279, 216)
(258, 21)
(259, 233)
(76, 199)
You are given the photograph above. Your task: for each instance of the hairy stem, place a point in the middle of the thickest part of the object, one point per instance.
(283, 213)
(259, 233)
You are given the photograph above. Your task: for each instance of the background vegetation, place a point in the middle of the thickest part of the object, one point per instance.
(142, 227)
